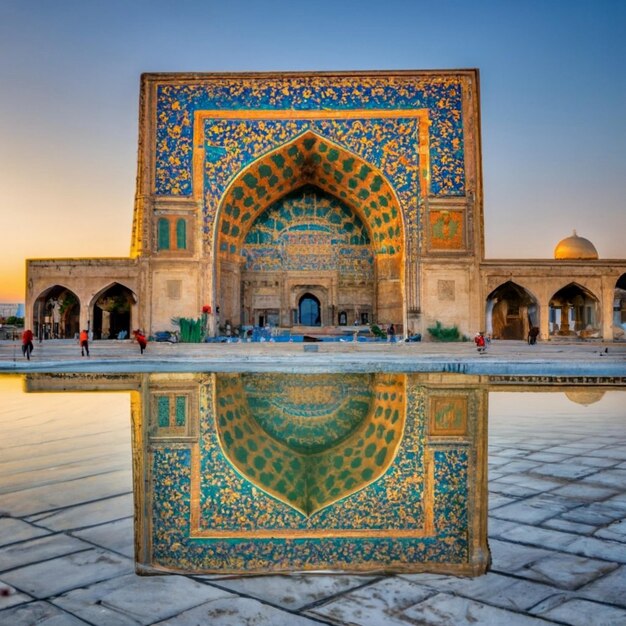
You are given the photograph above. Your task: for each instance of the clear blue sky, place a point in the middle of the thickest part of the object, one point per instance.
(553, 93)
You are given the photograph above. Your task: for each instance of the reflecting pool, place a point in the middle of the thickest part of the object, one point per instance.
(259, 473)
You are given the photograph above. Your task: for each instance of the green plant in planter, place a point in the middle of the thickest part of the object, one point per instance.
(445, 333)
(191, 330)
(377, 331)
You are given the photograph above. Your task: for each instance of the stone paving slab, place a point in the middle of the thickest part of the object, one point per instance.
(48, 578)
(534, 509)
(41, 549)
(71, 471)
(567, 571)
(563, 541)
(503, 591)
(40, 613)
(615, 531)
(293, 592)
(10, 597)
(382, 602)
(84, 515)
(64, 494)
(245, 611)
(131, 600)
(611, 588)
(442, 609)
(14, 530)
(115, 536)
(584, 613)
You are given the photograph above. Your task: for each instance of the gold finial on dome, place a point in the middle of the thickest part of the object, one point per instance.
(575, 247)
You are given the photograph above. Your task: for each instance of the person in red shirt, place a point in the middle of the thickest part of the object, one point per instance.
(479, 340)
(141, 340)
(84, 342)
(27, 343)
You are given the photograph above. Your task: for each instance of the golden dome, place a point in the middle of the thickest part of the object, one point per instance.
(583, 397)
(575, 247)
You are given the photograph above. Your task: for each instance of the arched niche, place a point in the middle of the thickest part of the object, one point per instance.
(574, 311)
(312, 162)
(511, 311)
(56, 313)
(111, 312)
(310, 440)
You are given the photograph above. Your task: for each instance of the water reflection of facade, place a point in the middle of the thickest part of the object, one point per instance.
(279, 472)
(319, 200)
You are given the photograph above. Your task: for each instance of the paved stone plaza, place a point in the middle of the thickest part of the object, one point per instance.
(557, 506)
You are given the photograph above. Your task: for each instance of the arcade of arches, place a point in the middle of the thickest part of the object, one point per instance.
(316, 201)
(60, 312)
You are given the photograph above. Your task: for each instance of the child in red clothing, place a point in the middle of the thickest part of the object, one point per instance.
(141, 340)
(479, 340)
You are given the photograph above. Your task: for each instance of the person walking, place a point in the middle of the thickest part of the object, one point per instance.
(533, 333)
(141, 340)
(391, 333)
(84, 342)
(479, 340)
(27, 343)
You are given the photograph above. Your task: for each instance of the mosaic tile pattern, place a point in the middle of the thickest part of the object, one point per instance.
(213, 509)
(321, 450)
(447, 230)
(439, 95)
(308, 159)
(309, 230)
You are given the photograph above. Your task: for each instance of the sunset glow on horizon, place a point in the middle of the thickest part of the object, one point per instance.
(552, 89)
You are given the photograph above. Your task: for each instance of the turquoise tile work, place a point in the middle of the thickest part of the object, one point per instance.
(309, 230)
(286, 472)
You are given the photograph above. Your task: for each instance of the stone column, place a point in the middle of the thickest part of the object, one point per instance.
(544, 319)
(564, 326)
(85, 314)
(607, 298)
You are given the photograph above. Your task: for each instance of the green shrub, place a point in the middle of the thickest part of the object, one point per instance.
(443, 333)
(377, 331)
(191, 331)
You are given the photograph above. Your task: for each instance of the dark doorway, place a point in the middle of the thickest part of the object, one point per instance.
(309, 310)
(111, 313)
(511, 312)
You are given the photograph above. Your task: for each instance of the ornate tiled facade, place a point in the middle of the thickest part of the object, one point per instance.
(224, 159)
(284, 471)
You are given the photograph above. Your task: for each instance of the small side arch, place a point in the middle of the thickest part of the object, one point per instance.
(111, 312)
(511, 311)
(575, 311)
(56, 313)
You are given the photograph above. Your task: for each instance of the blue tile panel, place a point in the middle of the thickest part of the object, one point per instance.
(373, 139)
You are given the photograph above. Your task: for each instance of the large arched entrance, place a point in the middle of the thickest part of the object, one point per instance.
(309, 313)
(336, 204)
(309, 241)
(511, 311)
(574, 311)
(56, 314)
(111, 313)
